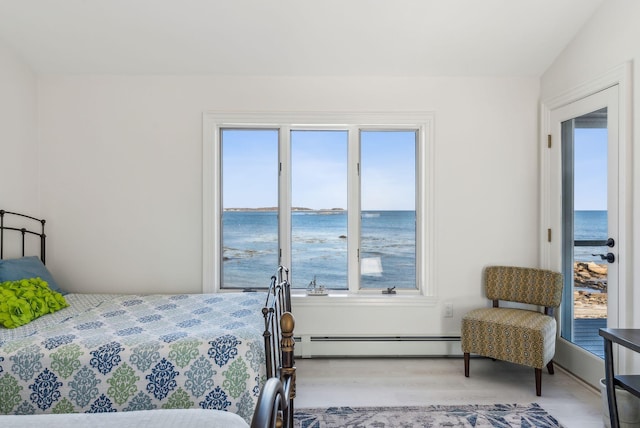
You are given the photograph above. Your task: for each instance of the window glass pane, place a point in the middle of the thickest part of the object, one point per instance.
(319, 208)
(388, 225)
(249, 206)
(585, 222)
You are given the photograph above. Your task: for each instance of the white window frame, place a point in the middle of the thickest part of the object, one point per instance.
(422, 122)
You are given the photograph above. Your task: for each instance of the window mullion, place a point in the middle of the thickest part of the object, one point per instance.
(284, 195)
(353, 210)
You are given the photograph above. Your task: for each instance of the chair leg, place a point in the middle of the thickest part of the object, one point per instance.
(550, 367)
(538, 382)
(466, 364)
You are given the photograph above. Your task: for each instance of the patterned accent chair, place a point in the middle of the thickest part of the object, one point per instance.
(520, 336)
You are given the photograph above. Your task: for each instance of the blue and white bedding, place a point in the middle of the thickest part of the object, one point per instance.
(112, 353)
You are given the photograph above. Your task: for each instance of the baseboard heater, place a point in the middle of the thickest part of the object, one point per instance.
(377, 346)
(383, 338)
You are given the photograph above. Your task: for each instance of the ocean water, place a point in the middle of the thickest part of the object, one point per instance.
(319, 248)
(590, 225)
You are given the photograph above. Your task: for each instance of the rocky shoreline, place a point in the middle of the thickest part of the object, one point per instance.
(590, 275)
(590, 290)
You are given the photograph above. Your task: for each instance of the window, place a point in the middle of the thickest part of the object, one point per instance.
(319, 207)
(344, 206)
(388, 213)
(249, 201)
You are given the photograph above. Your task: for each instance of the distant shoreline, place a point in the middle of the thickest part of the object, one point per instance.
(276, 209)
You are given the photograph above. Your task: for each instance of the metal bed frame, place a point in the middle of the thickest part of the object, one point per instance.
(24, 232)
(278, 339)
(275, 403)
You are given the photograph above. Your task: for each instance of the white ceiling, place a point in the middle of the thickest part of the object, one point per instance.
(292, 37)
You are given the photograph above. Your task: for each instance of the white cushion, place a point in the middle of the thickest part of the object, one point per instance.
(183, 418)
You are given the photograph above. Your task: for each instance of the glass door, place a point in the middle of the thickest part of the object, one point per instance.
(584, 209)
(586, 245)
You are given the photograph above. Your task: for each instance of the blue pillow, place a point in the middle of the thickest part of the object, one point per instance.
(27, 267)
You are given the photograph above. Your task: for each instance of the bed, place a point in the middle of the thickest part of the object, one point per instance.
(131, 353)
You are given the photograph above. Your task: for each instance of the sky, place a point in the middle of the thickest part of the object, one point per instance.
(590, 163)
(319, 169)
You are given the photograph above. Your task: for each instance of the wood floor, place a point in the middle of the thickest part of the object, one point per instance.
(424, 381)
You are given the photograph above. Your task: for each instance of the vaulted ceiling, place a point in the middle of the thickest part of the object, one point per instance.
(292, 37)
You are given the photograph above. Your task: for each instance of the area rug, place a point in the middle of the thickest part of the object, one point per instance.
(493, 415)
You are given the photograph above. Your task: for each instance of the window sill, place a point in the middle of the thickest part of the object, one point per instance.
(333, 299)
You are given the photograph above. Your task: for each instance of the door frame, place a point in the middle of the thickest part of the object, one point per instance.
(568, 354)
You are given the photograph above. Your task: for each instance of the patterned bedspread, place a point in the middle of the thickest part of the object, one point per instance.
(108, 353)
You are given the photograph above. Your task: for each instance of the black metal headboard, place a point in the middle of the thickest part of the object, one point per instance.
(24, 231)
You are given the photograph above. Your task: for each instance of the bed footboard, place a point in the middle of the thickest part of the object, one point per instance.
(271, 403)
(279, 345)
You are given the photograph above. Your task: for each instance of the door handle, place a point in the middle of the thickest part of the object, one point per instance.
(609, 257)
(610, 243)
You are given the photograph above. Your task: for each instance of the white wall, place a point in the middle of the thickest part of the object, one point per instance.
(19, 173)
(121, 179)
(609, 39)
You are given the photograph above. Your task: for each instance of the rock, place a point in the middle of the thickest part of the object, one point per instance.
(597, 269)
(589, 305)
(590, 275)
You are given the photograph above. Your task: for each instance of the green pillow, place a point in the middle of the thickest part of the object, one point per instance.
(24, 300)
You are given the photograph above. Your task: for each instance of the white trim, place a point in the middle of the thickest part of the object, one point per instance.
(345, 299)
(621, 77)
(284, 193)
(353, 207)
(210, 210)
(213, 121)
(426, 210)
